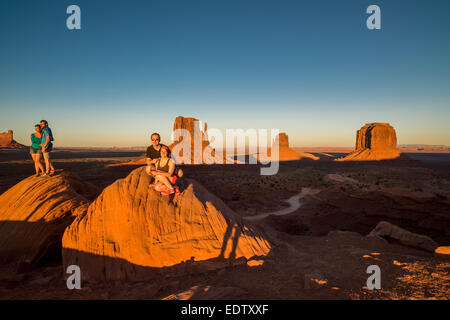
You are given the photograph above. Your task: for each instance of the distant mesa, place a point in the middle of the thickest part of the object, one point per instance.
(139, 162)
(374, 141)
(6, 138)
(34, 214)
(132, 232)
(286, 153)
(424, 148)
(7, 141)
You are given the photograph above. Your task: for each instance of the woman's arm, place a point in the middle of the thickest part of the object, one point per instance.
(166, 174)
(171, 168)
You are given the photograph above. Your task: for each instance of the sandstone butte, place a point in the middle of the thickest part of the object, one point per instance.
(374, 141)
(133, 232)
(35, 212)
(286, 153)
(199, 140)
(7, 141)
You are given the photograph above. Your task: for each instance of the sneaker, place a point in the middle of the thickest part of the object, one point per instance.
(45, 175)
(167, 192)
(51, 173)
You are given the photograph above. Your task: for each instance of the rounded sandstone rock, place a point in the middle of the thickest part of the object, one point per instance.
(35, 212)
(133, 232)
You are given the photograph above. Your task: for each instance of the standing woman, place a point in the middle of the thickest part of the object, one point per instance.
(36, 150)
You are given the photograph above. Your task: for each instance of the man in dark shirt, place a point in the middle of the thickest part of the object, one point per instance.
(153, 152)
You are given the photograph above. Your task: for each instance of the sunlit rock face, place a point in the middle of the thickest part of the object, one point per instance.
(374, 141)
(285, 153)
(35, 212)
(131, 231)
(198, 142)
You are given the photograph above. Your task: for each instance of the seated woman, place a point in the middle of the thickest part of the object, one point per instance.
(36, 149)
(164, 174)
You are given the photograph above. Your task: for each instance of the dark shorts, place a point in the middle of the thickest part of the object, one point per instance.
(35, 151)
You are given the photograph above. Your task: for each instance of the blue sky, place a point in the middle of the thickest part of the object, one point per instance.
(309, 68)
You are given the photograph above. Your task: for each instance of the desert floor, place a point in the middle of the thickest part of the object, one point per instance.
(324, 239)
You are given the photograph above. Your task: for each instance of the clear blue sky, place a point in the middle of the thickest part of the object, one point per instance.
(310, 68)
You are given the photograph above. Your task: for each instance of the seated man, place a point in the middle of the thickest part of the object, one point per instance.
(153, 152)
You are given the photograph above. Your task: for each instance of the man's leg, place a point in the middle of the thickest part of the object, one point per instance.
(50, 162)
(47, 166)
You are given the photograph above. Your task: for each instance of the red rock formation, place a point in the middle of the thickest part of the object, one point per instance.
(131, 231)
(198, 140)
(283, 140)
(374, 141)
(287, 154)
(35, 212)
(6, 138)
(7, 141)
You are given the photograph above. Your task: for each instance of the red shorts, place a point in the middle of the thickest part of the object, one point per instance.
(173, 179)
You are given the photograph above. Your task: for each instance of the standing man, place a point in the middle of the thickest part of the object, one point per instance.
(47, 146)
(153, 152)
